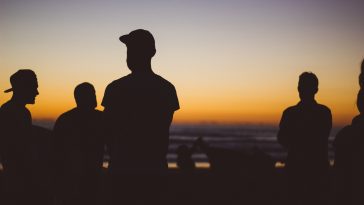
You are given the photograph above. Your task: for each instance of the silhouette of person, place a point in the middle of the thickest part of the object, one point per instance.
(15, 138)
(349, 152)
(223, 161)
(304, 130)
(361, 76)
(236, 170)
(139, 110)
(79, 149)
(184, 157)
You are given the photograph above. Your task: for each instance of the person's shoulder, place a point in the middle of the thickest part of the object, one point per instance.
(7, 106)
(164, 82)
(324, 109)
(343, 136)
(10, 108)
(291, 109)
(5, 110)
(118, 82)
(67, 115)
(98, 113)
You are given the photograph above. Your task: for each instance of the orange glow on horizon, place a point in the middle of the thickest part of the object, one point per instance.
(235, 62)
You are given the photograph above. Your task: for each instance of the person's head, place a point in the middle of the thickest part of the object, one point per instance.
(140, 49)
(85, 96)
(360, 101)
(24, 86)
(307, 86)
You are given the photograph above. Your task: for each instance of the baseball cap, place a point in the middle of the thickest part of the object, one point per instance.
(139, 38)
(21, 79)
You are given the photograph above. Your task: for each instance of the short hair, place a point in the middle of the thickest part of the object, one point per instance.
(308, 80)
(82, 91)
(360, 101)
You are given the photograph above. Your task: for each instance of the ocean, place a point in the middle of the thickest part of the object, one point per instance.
(244, 137)
(232, 137)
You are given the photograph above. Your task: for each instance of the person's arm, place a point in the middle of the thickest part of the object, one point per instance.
(325, 120)
(106, 120)
(327, 130)
(58, 142)
(283, 132)
(329, 123)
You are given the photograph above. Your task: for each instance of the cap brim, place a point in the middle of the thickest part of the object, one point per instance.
(124, 38)
(8, 90)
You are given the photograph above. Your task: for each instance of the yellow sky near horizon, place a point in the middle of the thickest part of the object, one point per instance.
(231, 61)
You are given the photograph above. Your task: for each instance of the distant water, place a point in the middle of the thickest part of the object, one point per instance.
(235, 137)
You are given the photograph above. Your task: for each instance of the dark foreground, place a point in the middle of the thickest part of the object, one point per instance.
(203, 187)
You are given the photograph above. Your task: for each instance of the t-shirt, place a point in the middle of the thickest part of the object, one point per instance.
(79, 140)
(304, 131)
(349, 166)
(15, 139)
(139, 110)
(79, 147)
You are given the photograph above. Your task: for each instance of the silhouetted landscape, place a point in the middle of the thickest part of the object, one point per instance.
(234, 136)
(181, 102)
(199, 187)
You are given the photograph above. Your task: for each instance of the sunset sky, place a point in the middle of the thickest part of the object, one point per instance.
(230, 61)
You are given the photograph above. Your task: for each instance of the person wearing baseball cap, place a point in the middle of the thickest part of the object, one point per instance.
(139, 109)
(15, 138)
(24, 86)
(140, 50)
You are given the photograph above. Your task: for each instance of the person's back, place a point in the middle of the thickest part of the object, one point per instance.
(80, 136)
(349, 166)
(79, 149)
(307, 127)
(139, 109)
(304, 131)
(361, 76)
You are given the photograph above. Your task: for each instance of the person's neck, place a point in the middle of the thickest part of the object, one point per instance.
(17, 100)
(308, 101)
(142, 69)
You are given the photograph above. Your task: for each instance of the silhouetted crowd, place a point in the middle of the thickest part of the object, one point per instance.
(65, 166)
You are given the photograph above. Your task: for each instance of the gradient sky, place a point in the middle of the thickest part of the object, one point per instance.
(230, 61)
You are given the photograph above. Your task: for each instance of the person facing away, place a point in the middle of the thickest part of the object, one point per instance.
(16, 137)
(304, 131)
(139, 110)
(79, 147)
(184, 157)
(361, 76)
(349, 152)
